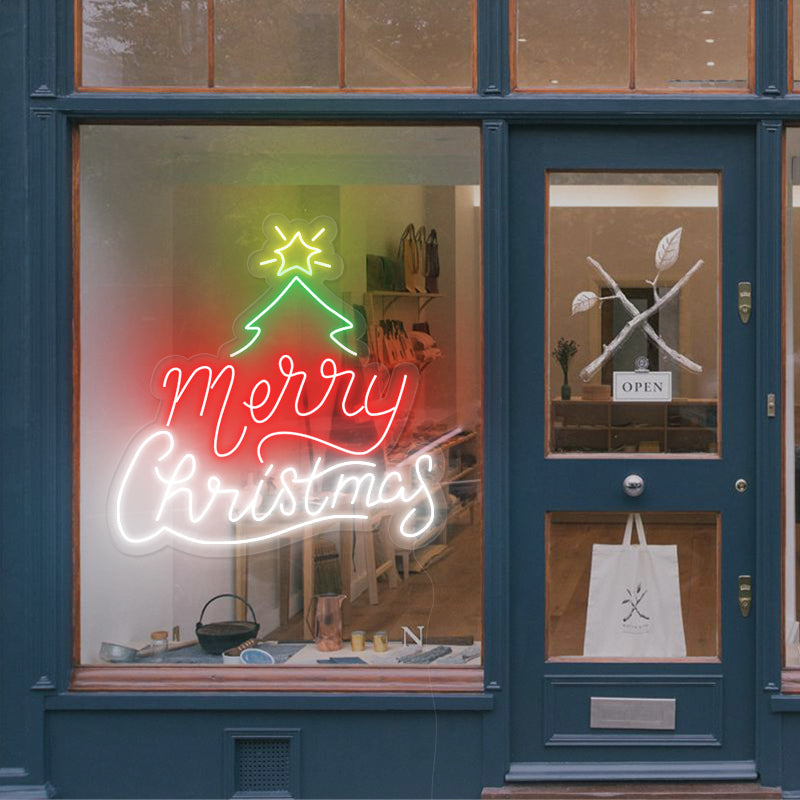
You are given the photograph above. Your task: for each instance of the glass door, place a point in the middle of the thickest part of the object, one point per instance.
(632, 642)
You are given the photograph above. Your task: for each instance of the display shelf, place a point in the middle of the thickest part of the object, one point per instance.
(393, 297)
(460, 475)
(682, 425)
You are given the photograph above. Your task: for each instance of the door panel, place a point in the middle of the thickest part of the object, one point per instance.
(614, 195)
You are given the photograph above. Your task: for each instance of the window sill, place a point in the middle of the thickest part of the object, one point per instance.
(349, 679)
(790, 680)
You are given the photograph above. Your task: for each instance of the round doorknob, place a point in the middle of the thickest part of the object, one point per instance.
(633, 485)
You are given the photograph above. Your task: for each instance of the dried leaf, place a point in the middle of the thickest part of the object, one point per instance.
(583, 301)
(668, 249)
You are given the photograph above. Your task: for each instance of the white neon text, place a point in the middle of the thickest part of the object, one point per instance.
(297, 501)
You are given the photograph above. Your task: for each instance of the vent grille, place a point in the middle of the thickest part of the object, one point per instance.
(263, 765)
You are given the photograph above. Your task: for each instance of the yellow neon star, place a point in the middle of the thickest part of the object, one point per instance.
(296, 254)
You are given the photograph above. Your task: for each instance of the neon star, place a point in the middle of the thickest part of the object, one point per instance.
(296, 254)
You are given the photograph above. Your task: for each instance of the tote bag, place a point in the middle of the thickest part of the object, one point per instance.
(634, 605)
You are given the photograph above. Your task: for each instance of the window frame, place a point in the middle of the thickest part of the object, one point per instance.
(210, 87)
(632, 89)
(207, 678)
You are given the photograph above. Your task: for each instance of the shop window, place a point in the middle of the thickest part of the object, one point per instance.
(617, 45)
(280, 396)
(633, 284)
(794, 45)
(289, 44)
(792, 399)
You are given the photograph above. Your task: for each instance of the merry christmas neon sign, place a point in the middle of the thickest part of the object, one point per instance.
(286, 429)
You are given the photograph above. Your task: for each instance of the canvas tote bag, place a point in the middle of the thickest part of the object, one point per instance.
(634, 605)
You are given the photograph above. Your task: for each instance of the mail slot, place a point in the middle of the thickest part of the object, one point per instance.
(625, 713)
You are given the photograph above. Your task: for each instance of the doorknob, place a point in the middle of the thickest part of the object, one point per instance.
(633, 485)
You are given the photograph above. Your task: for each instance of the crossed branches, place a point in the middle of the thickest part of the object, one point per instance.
(634, 599)
(666, 256)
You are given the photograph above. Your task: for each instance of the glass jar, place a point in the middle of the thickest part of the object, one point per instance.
(158, 645)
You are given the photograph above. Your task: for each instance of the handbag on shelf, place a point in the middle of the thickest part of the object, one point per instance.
(376, 277)
(419, 276)
(634, 607)
(407, 253)
(393, 275)
(432, 263)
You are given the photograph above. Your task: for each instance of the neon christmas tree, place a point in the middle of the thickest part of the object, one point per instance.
(293, 401)
(299, 250)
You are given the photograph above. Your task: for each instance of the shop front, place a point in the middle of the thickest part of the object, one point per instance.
(401, 399)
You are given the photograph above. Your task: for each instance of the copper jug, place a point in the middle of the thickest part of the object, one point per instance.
(327, 621)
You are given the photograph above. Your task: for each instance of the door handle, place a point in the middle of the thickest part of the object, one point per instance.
(745, 594)
(745, 300)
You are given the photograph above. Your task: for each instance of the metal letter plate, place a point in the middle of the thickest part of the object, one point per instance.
(644, 713)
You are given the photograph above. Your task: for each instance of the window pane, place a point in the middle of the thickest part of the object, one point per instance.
(792, 399)
(657, 599)
(268, 43)
(417, 43)
(144, 43)
(795, 43)
(692, 44)
(572, 43)
(633, 287)
(272, 403)
(689, 44)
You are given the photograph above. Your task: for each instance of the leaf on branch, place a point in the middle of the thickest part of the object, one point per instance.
(583, 301)
(668, 249)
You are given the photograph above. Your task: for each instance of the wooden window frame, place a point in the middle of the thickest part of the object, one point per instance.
(632, 88)
(215, 678)
(210, 86)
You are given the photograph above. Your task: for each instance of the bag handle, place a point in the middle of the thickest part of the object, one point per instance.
(226, 595)
(637, 520)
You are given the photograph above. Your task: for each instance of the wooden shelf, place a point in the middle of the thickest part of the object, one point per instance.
(603, 426)
(387, 299)
(457, 477)
(405, 294)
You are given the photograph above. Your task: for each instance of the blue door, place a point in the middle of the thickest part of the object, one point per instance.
(632, 410)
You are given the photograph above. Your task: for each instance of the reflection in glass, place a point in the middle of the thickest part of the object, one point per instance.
(792, 397)
(624, 602)
(416, 43)
(794, 33)
(268, 43)
(170, 217)
(633, 283)
(144, 43)
(692, 44)
(572, 43)
(645, 44)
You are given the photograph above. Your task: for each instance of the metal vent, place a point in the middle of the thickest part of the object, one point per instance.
(263, 766)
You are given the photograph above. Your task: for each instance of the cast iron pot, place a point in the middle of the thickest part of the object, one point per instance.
(215, 637)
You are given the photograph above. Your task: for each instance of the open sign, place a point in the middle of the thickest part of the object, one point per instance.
(642, 387)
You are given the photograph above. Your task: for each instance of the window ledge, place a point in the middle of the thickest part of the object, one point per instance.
(350, 679)
(790, 683)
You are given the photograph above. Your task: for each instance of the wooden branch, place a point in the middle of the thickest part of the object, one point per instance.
(668, 351)
(631, 325)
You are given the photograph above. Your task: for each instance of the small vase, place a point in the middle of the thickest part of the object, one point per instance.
(566, 391)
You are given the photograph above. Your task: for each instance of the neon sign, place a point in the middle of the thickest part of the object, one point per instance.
(286, 431)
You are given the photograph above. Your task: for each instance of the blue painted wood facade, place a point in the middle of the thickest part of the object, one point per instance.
(127, 745)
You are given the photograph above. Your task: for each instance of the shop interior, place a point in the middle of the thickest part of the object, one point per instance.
(168, 218)
(792, 378)
(621, 244)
